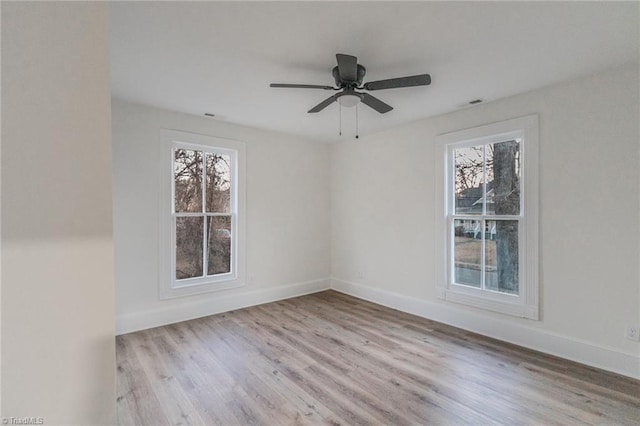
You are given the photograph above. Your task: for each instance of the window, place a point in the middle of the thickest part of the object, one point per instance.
(202, 226)
(487, 216)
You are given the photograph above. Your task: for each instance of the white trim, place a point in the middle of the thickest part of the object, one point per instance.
(197, 308)
(584, 352)
(526, 304)
(167, 287)
(488, 132)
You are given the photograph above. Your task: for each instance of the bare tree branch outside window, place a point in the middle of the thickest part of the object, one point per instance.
(193, 233)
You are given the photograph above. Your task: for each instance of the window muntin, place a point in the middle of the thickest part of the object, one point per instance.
(487, 201)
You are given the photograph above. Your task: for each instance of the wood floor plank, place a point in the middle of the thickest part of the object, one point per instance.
(176, 405)
(341, 406)
(563, 402)
(475, 344)
(200, 384)
(234, 356)
(136, 401)
(329, 358)
(370, 366)
(266, 360)
(399, 367)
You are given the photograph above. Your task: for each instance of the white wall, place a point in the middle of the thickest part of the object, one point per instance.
(58, 352)
(383, 219)
(287, 217)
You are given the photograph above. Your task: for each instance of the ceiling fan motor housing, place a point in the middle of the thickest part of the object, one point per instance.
(361, 71)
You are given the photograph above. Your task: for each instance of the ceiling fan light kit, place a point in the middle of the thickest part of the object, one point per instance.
(348, 75)
(349, 100)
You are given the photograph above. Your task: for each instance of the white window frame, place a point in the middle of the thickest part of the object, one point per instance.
(526, 303)
(169, 286)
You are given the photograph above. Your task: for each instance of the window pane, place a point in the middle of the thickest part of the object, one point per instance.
(467, 252)
(188, 247)
(219, 244)
(503, 178)
(468, 163)
(501, 254)
(187, 172)
(218, 183)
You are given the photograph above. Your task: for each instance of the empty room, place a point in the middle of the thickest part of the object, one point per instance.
(345, 213)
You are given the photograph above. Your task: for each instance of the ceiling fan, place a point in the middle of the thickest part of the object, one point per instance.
(348, 75)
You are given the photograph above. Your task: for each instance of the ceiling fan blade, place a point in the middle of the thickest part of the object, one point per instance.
(375, 103)
(347, 67)
(392, 83)
(322, 105)
(301, 86)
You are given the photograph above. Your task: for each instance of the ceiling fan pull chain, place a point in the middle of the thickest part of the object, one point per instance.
(340, 118)
(357, 127)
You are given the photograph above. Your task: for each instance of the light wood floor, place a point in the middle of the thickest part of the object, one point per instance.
(332, 359)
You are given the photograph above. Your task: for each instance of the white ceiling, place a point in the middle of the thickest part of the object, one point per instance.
(220, 57)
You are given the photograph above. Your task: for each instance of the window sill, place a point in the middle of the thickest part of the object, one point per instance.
(200, 288)
(487, 303)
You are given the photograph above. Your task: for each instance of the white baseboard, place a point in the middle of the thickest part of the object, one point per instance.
(173, 312)
(584, 352)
